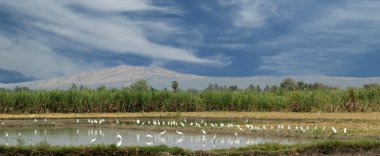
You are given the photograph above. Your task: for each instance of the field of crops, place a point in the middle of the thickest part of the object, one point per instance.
(129, 100)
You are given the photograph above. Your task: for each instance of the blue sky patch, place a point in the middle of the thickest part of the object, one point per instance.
(46, 39)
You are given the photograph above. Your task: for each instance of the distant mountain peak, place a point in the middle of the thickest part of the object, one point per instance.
(119, 74)
(160, 78)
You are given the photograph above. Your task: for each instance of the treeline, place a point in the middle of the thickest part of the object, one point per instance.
(139, 97)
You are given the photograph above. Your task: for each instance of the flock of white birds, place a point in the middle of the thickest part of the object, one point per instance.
(202, 125)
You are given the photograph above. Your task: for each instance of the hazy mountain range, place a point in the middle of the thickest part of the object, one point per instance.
(161, 78)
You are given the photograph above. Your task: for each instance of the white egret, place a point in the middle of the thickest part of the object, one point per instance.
(93, 140)
(204, 132)
(149, 143)
(178, 132)
(149, 136)
(138, 121)
(163, 132)
(183, 125)
(345, 130)
(117, 121)
(45, 120)
(35, 120)
(78, 121)
(235, 134)
(334, 129)
(118, 136)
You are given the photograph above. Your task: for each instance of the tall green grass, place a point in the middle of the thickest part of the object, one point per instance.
(127, 100)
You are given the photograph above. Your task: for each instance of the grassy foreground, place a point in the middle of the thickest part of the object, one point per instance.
(330, 147)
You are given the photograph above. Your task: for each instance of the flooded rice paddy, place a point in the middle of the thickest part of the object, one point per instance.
(29, 132)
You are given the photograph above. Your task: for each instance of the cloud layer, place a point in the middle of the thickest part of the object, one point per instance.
(50, 38)
(101, 25)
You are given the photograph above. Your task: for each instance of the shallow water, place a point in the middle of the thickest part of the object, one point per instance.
(75, 136)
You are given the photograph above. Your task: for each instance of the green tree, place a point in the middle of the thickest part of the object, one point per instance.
(288, 84)
(258, 88)
(175, 85)
(251, 87)
(74, 87)
(139, 85)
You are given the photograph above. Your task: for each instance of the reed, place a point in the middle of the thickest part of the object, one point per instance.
(127, 100)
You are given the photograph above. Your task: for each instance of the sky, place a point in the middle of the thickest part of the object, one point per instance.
(43, 39)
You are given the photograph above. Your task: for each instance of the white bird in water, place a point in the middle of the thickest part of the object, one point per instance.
(149, 143)
(117, 121)
(204, 132)
(35, 120)
(334, 129)
(93, 140)
(345, 130)
(45, 119)
(178, 132)
(236, 134)
(149, 136)
(77, 120)
(118, 136)
(163, 132)
(138, 121)
(6, 134)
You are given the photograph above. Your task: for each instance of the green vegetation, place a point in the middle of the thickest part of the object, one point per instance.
(338, 147)
(46, 149)
(289, 96)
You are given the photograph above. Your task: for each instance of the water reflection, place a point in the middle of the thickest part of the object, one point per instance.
(89, 135)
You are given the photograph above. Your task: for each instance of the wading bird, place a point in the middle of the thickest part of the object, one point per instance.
(178, 132)
(149, 136)
(204, 132)
(118, 136)
(138, 121)
(334, 129)
(93, 140)
(163, 132)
